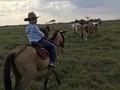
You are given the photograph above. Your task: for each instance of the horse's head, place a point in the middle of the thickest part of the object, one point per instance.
(58, 38)
(45, 30)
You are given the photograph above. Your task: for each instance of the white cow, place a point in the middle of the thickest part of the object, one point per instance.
(96, 24)
(74, 27)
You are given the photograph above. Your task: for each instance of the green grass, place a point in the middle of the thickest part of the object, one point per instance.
(93, 65)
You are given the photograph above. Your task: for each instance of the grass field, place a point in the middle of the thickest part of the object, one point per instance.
(93, 65)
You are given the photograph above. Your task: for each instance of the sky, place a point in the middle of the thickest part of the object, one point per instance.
(13, 12)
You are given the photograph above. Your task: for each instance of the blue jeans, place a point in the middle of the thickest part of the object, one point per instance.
(50, 47)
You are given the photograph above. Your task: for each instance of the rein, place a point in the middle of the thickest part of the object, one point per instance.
(53, 42)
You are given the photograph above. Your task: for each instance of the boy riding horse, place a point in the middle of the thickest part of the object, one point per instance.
(35, 35)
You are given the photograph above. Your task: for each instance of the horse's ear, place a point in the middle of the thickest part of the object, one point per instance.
(63, 31)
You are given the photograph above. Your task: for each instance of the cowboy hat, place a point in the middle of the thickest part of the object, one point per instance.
(31, 15)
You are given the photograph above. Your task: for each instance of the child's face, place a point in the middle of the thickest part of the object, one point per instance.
(33, 21)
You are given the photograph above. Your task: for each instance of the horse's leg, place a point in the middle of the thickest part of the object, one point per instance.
(17, 76)
(17, 79)
(56, 76)
(84, 36)
(26, 78)
(49, 73)
(81, 32)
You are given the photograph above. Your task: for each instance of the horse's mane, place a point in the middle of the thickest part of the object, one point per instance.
(45, 30)
(48, 28)
(62, 43)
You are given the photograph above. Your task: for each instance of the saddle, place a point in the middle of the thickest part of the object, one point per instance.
(40, 50)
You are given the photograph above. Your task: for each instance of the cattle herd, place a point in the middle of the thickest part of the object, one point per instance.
(83, 28)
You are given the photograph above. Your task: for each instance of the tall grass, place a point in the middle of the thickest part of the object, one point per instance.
(93, 65)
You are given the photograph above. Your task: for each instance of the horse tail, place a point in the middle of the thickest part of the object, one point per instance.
(6, 71)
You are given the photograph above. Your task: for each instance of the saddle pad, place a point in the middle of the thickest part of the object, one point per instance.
(18, 49)
(40, 50)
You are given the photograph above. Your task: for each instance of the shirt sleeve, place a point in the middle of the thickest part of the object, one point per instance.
(38, 32)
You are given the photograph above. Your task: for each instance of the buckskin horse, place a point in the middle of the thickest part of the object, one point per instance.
(26, 63)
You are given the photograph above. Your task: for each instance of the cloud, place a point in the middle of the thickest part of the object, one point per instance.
(87, 3)
(57, 7)
(67, 8)
(80, 3)
(60, 10)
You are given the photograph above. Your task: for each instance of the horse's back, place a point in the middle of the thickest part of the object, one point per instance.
(29, 60)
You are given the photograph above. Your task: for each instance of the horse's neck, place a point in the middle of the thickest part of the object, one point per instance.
(57, 40)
